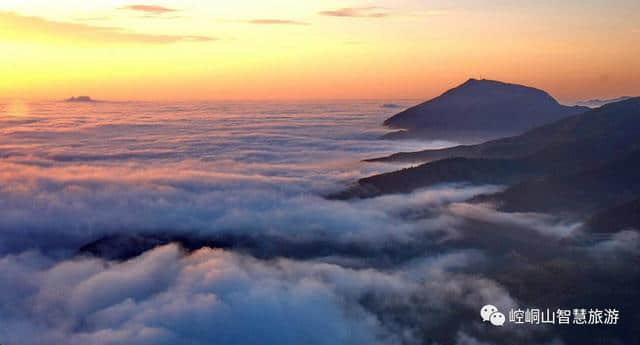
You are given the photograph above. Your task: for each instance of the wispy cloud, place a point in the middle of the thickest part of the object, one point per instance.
(154, 9)
(360, 12)
(266, 21)
(90, 19)
(40, 29)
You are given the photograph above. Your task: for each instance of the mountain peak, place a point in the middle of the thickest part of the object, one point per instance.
(494, 83)
(84, 99)
(483, 105)
(480, 81)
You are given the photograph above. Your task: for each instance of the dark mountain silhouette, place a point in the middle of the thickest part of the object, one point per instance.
(581, 193)
(581, 143)
(80, 99)
(594, 103)
(625, 216)
(481, 107)
(603, 129)
(450, 170)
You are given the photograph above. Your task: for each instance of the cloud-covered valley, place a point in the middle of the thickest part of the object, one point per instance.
(143, 223)
(165, 296)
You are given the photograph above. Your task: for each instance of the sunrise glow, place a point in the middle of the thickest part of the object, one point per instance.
(289, 49)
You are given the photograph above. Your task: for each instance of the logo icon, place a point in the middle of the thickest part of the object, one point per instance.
(490, 313)
(497, 319)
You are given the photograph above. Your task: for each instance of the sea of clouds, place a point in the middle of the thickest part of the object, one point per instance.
(296, 268)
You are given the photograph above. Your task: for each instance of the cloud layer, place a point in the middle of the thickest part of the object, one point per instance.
(218, 176)
(19, 27)
(153, 9)
(165, 297)
(225, 237)
(357, 12)
(266, 21)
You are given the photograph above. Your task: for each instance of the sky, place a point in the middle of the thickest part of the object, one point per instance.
(330, 49)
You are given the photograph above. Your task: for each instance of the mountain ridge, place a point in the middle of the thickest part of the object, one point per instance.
(551, 134)
(480, 105)
(595, 103)
(572, 145)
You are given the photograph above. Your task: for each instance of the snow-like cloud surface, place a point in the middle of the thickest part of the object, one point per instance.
(215, 296)
(296, 268)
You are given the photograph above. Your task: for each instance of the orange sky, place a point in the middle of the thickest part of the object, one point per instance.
(334, 49)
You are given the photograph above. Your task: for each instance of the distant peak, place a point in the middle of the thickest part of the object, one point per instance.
(474, 81)
(80, 99)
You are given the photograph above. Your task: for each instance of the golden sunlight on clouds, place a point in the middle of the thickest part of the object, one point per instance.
(286, 49)
(363, 12)
(21, 28)
(150, 9)
(17, 108)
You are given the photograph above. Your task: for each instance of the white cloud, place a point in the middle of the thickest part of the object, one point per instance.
(542, 223)
(215, 296)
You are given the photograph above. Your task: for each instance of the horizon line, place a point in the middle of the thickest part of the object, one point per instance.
(123, 100)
